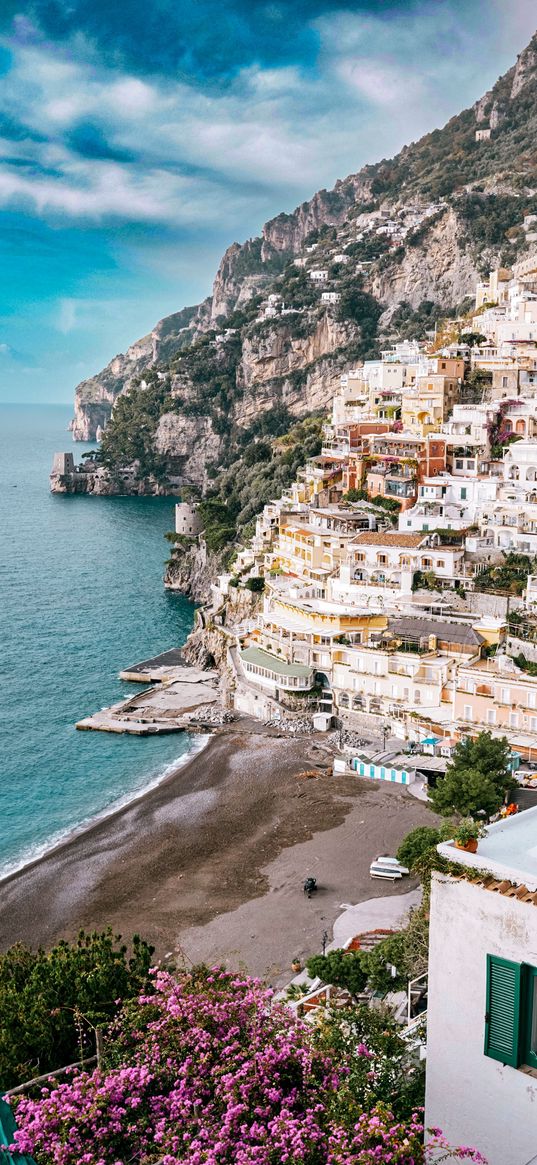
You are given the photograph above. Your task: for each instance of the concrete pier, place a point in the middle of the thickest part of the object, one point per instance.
(163, 668)
(172, 705)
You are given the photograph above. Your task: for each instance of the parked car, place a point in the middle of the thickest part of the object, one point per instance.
(386, 861)
(389, 873)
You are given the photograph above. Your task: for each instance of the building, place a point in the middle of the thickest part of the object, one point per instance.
(187, 520)
(481, 1082)
(495, 694)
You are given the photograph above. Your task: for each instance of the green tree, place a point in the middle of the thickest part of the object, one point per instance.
(51, 1001)
(378, 963)
(477, 779)
(416, 843)
(381, 1067)
(341, 969)
(255, 584)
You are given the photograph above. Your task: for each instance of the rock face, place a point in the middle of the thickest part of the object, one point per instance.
(191, 570)
(439, 269)
(279, 367)
(94, 398)
(189, 444)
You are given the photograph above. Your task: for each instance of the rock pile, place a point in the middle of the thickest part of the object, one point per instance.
(212, 714)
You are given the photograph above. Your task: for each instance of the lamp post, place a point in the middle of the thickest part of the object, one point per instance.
(324, 941)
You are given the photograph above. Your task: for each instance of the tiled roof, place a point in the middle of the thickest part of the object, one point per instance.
(506, 888)
(444, 630)
(392, 538)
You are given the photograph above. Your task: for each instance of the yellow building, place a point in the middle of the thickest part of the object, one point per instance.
(427, 405)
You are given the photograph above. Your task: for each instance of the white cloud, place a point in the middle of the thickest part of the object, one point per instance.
(188, 157)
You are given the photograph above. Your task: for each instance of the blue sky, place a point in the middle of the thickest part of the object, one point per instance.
(138, 138)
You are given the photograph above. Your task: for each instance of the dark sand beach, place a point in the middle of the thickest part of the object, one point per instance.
(235, 829)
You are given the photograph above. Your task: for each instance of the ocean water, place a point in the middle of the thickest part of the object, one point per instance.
(81, 597)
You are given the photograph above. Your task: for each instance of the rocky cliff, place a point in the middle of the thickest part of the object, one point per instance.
(94, 398)
(458, 206)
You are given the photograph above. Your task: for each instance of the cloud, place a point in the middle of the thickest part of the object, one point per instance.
(7, 352)
(91, 141)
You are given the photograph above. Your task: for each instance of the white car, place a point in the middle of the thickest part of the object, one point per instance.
(390, 873)
(385, 861)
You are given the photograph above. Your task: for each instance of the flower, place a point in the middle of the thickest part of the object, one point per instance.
(209, 1070)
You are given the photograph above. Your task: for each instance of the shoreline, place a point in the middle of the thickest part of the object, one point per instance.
(171, 770)
(210, 862)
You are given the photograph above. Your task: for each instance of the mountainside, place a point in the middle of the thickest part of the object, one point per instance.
(422, 226)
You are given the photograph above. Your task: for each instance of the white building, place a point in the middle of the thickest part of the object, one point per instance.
(319, 276)
(330, 297)
(482, 1011)
(446, 502)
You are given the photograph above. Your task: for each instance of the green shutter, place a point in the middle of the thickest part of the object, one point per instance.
(502, 1020)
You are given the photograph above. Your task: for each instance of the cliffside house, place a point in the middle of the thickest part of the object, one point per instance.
(482, 994)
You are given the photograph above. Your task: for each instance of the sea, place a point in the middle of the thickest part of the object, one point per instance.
(81, 597)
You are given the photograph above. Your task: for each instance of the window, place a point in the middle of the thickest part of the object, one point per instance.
(506, 696)
(468, 712)
(511, 1012)
(463, 494)
(532, 701)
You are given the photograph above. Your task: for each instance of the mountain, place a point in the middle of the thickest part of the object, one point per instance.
(422, 226)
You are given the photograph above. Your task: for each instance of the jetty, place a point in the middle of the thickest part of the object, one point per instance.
(182, 697)
(161, 669)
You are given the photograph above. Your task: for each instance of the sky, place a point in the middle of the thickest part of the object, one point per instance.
(139, 138)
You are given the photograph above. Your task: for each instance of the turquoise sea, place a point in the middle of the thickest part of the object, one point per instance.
(81, 597)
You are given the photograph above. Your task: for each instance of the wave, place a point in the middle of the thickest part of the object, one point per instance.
(43, 849)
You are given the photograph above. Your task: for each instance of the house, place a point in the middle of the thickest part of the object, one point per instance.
(392, 558)
(496, 695)
(427, 404)
(389, 676)
(481, 1082)
(330, 297)
(317, 276)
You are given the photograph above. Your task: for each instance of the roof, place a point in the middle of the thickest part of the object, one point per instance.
(392, 538)
(261, 658)
(507, 851)
(450, 632)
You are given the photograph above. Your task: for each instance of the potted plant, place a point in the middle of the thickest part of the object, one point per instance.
(467, 834)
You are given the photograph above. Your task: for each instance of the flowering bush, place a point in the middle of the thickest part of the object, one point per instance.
(208, 1071)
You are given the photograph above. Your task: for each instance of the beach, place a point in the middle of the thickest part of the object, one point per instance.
(209, 864)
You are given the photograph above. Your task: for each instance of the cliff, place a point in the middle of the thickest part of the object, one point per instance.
(457, 205)
(95, 397)
(191, 570)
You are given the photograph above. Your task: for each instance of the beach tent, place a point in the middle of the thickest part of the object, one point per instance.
(7, 1132)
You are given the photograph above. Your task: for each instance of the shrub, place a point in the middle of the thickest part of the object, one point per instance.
(256, 584)
(209, 1068)
(46, 998)
(416, 843)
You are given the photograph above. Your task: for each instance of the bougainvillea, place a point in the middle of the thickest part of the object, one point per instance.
(207, 1070)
